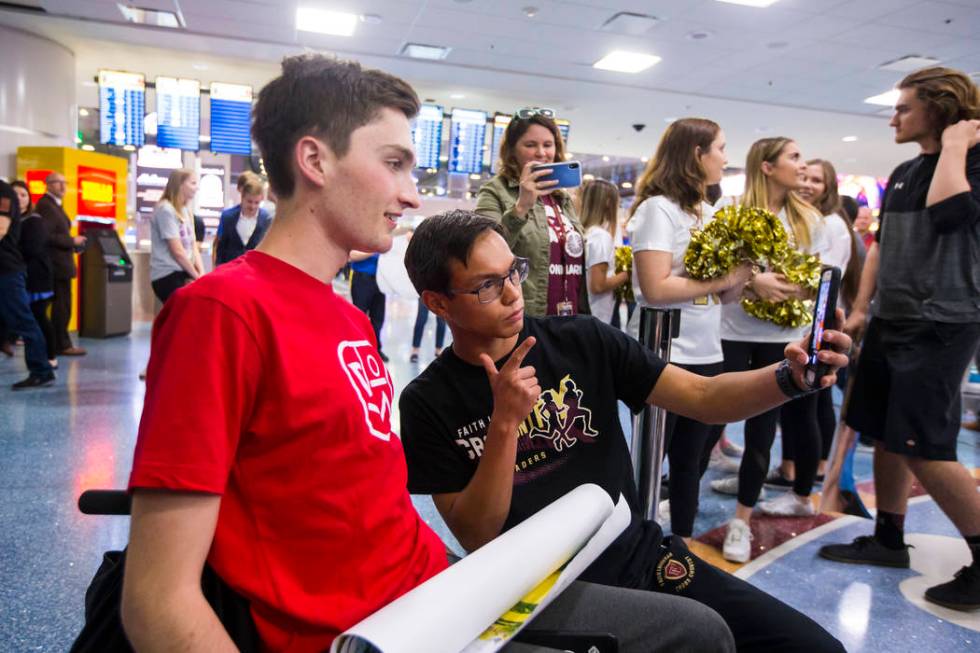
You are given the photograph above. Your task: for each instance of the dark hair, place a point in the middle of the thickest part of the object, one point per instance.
(849, 209)
(949, 95)
(325, 98)
(30, 203)
(439, 239)
(516, 128)
(851, 280)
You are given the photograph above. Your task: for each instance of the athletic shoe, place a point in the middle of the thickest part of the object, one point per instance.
(34, 381)
(723, 463)
(727, 485)
(738, 541)
(961, 593)
(730, 449)
(414, 358)
(73, 351)
(663, 511)
(789, 504)
(777, 481)
(866, 550)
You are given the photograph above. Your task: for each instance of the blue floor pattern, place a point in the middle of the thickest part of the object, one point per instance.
(56, 442)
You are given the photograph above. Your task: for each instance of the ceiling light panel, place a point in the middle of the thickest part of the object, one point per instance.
(751, 3)
(323, 21)
(153, 17)
(626, 62)
(423, 51)
(909, 63)
(886, 99)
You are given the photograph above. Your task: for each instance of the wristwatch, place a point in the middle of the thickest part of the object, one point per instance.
(786, 383)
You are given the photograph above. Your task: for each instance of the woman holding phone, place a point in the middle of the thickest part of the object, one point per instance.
(539, 220)
(670, 203)
(774, 172)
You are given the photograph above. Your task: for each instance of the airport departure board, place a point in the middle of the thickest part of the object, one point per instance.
(122, 105)
(467, 135)
(178, 113)
(563, 126)
(500, 122)
(231, 111)
(427, 136)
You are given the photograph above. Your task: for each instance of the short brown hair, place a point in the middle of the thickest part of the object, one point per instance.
(516, 128)
(250, 183)
(325, 98)
(950, 95)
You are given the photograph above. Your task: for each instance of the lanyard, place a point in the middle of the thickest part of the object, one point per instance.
(556, 222)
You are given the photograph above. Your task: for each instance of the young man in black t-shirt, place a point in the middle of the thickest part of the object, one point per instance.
(15, 308)
(519, 411)
(925, 326)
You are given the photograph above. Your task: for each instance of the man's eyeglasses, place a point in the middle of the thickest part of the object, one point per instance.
(491, 289)
(530, 112)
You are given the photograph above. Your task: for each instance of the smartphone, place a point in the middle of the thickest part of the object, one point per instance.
(824, 317)
(568, 174)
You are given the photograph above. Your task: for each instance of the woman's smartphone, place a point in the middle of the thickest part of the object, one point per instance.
(824, 318)
(568, 174)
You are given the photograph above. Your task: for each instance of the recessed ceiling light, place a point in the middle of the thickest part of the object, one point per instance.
(849, 139)
(371, 19)
(886, 99)
(322, 21)
(129, 148)
(626, 62)
(422, 51)
(88, 148)
(199, 66)
(626, 184)
(154, 17)
(644, 159)
(457, 96)
(751, 3)
(909, 63)
(605, 158)
(83, 112)
(530, 12)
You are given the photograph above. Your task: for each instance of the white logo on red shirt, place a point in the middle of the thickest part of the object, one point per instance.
(371, 382)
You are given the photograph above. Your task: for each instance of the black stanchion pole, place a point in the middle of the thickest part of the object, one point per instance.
(657, 329)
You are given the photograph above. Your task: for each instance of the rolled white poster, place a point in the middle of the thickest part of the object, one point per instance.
(478, 604)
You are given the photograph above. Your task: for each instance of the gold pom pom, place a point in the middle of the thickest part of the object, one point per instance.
(742, 233)
(624, 263)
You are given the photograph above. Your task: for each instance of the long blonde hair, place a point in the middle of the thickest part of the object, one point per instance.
(802, 217)
(172, 191)
(599, 201)
(675, 170)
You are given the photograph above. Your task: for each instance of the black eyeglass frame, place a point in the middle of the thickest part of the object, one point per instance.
(521, 267)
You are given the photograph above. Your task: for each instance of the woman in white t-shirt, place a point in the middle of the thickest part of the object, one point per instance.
(599, 208)
(840, 243)
(669, 204)
(774, 171)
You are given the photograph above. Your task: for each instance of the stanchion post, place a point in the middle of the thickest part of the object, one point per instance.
(657, 329)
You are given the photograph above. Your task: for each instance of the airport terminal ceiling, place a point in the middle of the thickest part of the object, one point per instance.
(798, 67)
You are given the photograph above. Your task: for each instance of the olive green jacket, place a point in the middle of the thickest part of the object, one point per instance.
(528, 237)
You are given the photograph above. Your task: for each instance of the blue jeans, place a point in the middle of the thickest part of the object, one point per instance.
(15, 312)
(420, 319)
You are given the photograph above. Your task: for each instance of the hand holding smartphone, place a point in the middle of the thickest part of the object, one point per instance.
(824, 318)
(568, 174)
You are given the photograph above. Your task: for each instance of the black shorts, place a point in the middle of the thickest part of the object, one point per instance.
(906, 390)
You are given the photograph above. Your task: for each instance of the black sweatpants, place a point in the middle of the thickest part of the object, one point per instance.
(365, 294)
(758, 621)
(686, 440)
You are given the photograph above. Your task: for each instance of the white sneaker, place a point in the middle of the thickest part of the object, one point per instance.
(663, 511)
(729, 448)
(728, 485)
(738, 541)
(723, 463)
(788, 504)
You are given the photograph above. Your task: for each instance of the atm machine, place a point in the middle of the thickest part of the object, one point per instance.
(107, 286)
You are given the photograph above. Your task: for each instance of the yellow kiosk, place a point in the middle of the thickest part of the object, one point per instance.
(95, 195)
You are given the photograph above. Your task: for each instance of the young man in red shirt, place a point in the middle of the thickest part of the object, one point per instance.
(272, 458)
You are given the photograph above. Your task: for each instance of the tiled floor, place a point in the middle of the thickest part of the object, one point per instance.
(56, 442)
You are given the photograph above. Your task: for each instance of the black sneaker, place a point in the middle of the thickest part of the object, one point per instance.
(34, 382)
(866, 550)
(775, 479)
(414, 358)
(961, 593)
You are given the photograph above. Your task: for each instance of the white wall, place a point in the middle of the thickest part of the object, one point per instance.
(37, 95)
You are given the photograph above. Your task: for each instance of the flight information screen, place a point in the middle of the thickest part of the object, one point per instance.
(500, 122)
(563, 128)
(122, 105)
(467, 135)
(231, 110)
(178, 113)
(427, 136)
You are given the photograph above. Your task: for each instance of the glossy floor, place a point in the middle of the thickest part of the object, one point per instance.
(79, 434)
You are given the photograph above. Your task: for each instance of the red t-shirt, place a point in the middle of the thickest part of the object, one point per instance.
(265, 387)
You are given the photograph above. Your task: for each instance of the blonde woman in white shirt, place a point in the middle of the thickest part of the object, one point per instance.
(774, 171)
(670, 203)
(598, 211)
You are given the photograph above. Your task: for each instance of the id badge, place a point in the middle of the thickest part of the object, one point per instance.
(564, 308)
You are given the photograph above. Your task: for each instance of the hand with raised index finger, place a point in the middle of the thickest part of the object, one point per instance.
(515, 389)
